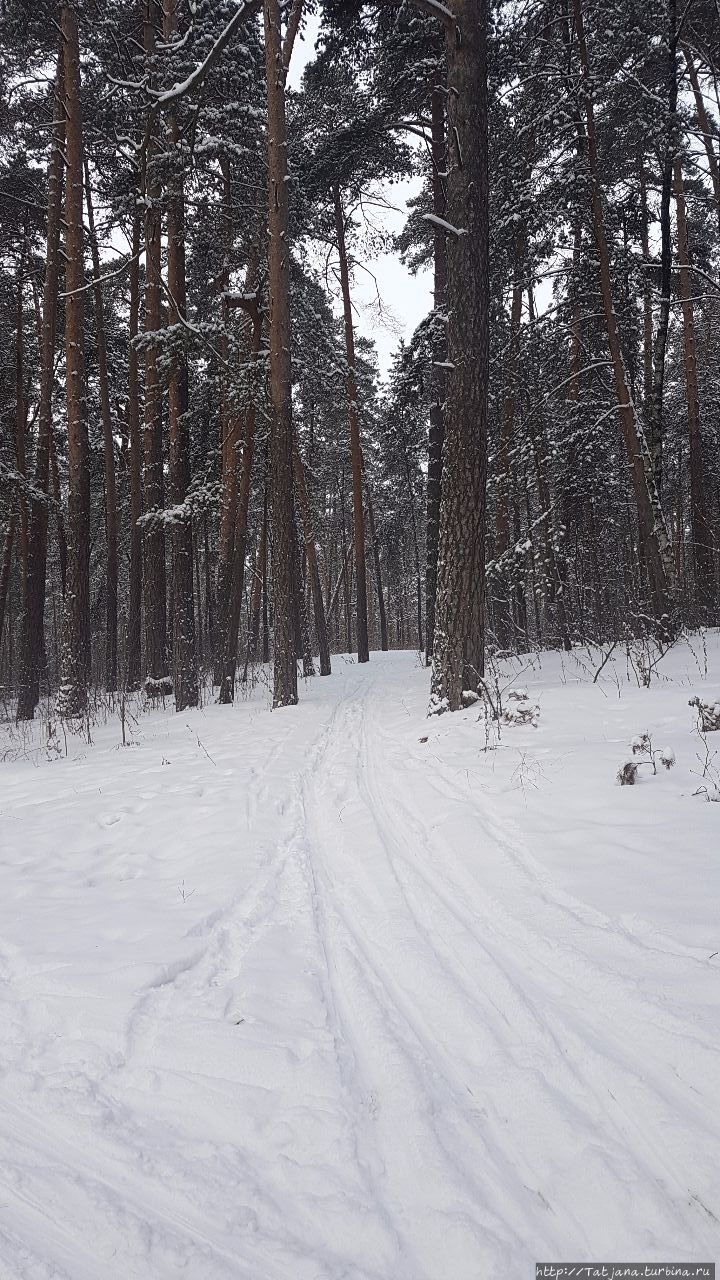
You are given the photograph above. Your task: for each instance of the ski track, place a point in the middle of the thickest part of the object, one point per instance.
(395, 1051)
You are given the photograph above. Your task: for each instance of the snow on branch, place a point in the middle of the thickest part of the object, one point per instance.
(447, 227)
(432, 7)
(436, 9)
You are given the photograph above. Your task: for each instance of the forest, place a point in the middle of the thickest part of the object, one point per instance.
(359, 639)
(202, 467)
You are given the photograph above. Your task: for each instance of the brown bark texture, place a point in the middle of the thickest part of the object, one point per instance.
(281, 430)
(34, 584)
(75, 662)
(458, 656)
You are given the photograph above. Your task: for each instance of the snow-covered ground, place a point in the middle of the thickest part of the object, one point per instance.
(341, 993)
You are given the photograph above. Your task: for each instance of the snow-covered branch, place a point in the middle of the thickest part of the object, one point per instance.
(244, 10)
(447, 227)
(436, 10)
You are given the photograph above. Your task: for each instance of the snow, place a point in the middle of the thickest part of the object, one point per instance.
(339, 992)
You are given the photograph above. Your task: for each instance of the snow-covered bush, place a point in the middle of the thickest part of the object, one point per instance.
(708, 714)
(643, 753)
(521, 712)
(161, 688)
(627, 773)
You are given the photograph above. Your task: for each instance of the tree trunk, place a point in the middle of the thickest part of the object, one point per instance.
(507, 428)
(134, 617)
(256, 593)
(554, 569)
(312, 560)
(702, 551)
(705, 130)
(415, 543)
(363, 650)
(437, 407)
(458, 659)
(657, 546)
(111, 519)
(335, 596)
(154, 577)
(647, 317)
(281, 431)
(239, 540)
(5, 567)
(185, 669)
(57, 497)
(21, 406)
(347, 549)
(231, 440)
(233, 521)
(302, 625)
(209, 601)
(36, 576)
(76, 639)
(660, 345)
(382, 614)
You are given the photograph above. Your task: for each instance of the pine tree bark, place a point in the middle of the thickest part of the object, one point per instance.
(702, 549)
(437, 407)
(34, 585)
(185, 668)
(312, 561)
(111, 517)
(75, 665)
(281, 431)
(458, 657)
(134, 616)
(154, 573)
(363, 649)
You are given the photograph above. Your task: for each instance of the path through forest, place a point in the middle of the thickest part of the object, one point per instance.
(335, 993)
